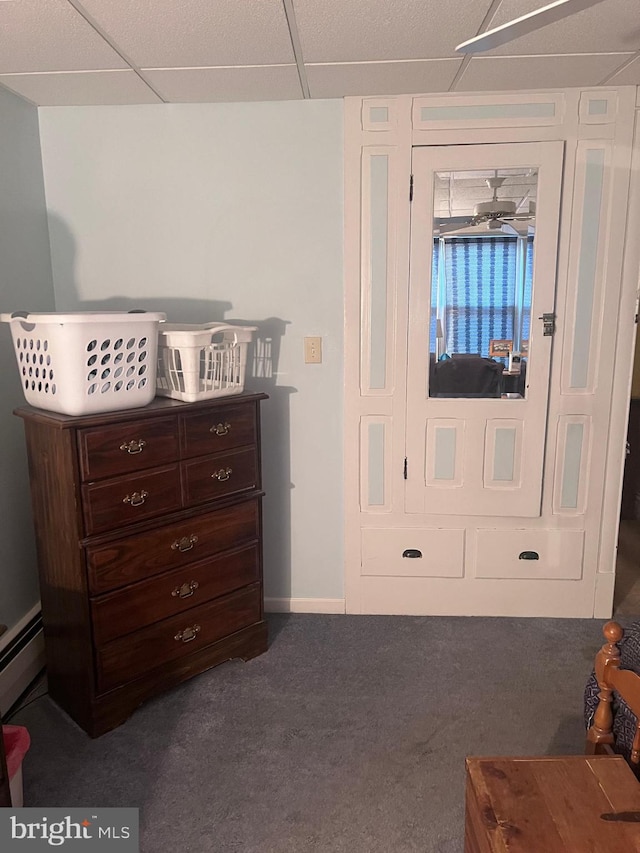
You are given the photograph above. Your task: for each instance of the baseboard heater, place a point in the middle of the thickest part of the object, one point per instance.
(21, 658)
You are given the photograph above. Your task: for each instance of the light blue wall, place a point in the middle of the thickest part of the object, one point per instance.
(224, 211)
(25, 284)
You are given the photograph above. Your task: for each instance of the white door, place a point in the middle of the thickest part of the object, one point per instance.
(484, 234)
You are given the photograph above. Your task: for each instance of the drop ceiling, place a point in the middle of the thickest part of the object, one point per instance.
(77, 52)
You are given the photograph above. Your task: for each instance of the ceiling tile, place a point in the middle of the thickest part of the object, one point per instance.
(612, 26)
(360, 30)
(381, 78)
(49, 35)
(81, 88)
(191, 33)
(203, 85)
(536, 72)
(629, 76)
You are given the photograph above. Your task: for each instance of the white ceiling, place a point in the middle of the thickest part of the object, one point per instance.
(72, 52)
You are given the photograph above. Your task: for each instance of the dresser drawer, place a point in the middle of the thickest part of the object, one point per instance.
(215, 431)
(137, 654)
(144, 603)
(220, 475)
(171, 546)
(125, 500)
(530, 554)
(112, 450)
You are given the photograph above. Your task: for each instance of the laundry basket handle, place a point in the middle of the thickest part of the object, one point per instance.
(219, 327)
(237, 330)
(21, 317)
(215, 328)
(15, 315)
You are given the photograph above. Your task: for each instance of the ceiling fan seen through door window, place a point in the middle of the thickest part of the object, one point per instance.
(497, 214)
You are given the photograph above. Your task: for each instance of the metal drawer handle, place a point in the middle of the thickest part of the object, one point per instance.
(220, 429)
(412, 553)
(184, 544)
(188, 634)
(136, 499)
(133, 446)
(222, 474)
(186, 590)
(529, 555)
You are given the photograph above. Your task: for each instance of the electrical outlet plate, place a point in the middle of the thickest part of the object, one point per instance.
(313, 350)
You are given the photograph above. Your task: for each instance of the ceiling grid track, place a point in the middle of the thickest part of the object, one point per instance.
(96, 26)
(491, 12)
(620, 68)
(297, 47)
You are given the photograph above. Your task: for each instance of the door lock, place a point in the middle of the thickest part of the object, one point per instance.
(548, 324)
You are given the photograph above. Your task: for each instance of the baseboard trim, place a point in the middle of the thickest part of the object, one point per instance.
(304, 605)
(9, 636)
(22, 658)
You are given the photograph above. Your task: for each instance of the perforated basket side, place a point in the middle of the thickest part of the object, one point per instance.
(80, 368)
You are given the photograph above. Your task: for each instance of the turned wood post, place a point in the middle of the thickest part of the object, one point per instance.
(608, 658)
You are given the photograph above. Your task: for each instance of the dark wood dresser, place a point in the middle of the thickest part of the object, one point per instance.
(149, 534)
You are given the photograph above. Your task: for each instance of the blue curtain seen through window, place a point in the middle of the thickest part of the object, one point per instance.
(479, 292)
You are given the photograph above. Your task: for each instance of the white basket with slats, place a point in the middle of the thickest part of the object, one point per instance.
(199, 362)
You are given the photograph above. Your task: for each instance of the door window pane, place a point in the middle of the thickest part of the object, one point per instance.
(482, 273)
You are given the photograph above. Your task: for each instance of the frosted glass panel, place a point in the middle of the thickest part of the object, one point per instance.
(487, 111)
(598, 107)
(376, 465)
(377, 114)
(379, 253)
(572, 464)
(592, 203)
(504, 454)
(445, 462)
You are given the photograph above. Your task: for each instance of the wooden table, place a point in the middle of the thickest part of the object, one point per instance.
(576, 804)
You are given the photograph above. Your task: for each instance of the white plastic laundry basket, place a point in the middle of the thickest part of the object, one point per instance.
(201, 362)
(82, 363)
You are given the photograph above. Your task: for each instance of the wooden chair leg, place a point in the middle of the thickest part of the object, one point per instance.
(600, 734)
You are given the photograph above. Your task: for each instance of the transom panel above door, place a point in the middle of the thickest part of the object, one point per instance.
(484, 234)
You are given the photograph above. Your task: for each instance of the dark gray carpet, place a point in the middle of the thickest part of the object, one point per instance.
(349, 734)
